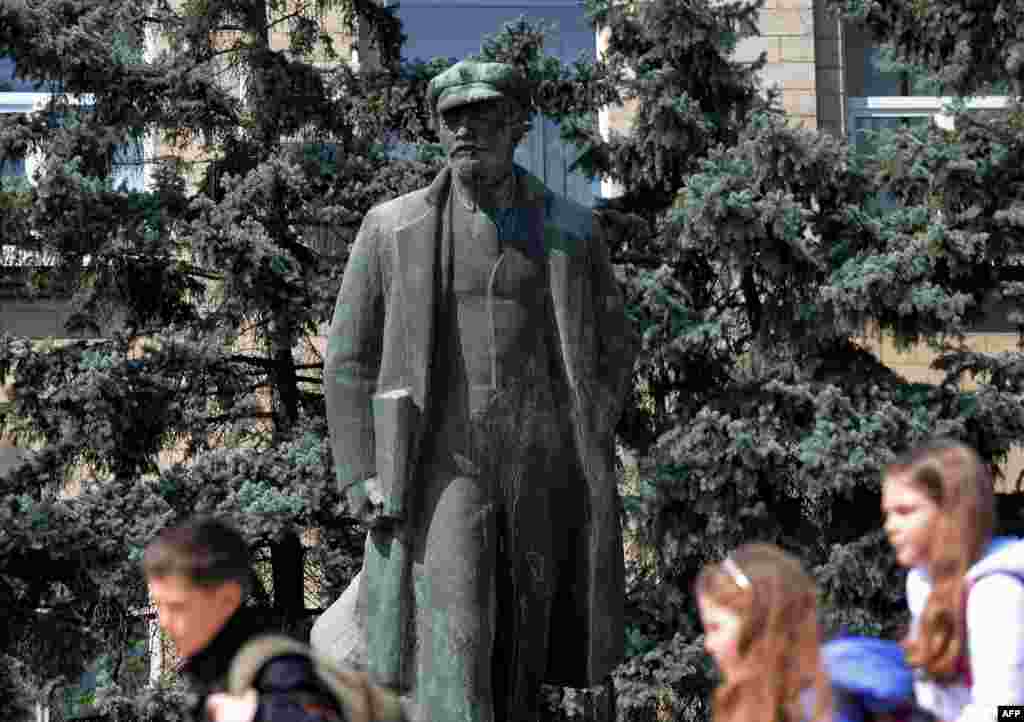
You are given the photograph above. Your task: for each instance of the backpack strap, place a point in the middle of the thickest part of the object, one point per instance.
(963, 662)
(359, 700)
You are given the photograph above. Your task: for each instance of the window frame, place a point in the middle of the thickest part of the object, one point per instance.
(913, 106)
(923, 106)
(133, 175)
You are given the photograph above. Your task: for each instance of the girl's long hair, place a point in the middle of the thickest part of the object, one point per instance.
(953, 476)
(779, 639)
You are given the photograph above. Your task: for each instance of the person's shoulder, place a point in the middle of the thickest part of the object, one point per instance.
(1004, 556)
(270, 661)
(400, 210)
(997, 579)
(1002, 589)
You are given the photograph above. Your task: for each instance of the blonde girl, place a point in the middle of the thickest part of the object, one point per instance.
(964, 588)
(760, 616)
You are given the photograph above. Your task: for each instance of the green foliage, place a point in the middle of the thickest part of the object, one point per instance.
(755, 414)
(675, 60)
(14, 692)
(668, 681)
(189, 378)
(755, 256)
(768, 266)
(969, 47)
(637, 642)
(167, 701)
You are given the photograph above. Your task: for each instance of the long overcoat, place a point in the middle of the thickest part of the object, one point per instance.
(382, 336)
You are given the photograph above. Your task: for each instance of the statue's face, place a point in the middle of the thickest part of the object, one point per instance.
(480, 139)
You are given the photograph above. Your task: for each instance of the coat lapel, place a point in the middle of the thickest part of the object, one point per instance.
(568, 298)
(416, 251)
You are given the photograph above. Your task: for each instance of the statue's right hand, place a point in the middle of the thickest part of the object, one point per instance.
(365, 500)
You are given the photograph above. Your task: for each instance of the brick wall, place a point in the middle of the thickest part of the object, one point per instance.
(788, 41)
(788, 38)
(332, 25)
(914, 364)
(195, 157)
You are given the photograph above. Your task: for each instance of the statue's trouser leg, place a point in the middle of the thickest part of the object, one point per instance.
(525, 592)
(455, 601)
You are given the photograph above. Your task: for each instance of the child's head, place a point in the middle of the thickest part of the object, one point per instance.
(760, 616)
(939, 507)
(197, 575)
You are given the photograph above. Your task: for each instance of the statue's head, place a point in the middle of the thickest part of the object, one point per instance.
(482, 111)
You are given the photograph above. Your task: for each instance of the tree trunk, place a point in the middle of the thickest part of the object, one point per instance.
(288, 562)
(285, 385)
(759, 350)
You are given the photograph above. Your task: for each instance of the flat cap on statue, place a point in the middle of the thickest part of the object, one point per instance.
(469, 81)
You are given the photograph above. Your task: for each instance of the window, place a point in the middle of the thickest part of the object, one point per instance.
(456, 28)
(12, 168)
(886, 98)
(882, 94)
(891, 112)
(126, 162)
(10, 84)
(127, 170)
(880, 112)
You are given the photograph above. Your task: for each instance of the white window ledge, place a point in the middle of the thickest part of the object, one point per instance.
(22, 102)
(915, 106)
(28, 102)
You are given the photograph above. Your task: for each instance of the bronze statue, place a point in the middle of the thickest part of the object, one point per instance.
(481, 319)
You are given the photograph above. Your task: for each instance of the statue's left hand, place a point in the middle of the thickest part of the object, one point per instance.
(366, 503)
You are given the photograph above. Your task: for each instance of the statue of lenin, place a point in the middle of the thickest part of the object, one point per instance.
(495, 562)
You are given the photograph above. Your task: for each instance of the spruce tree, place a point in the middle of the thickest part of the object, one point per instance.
(188, 379)
(776, 257)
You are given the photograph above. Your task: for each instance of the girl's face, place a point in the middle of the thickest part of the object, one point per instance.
(721, 634)
(910, 515)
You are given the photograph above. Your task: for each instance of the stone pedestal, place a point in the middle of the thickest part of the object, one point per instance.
(339, 633)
